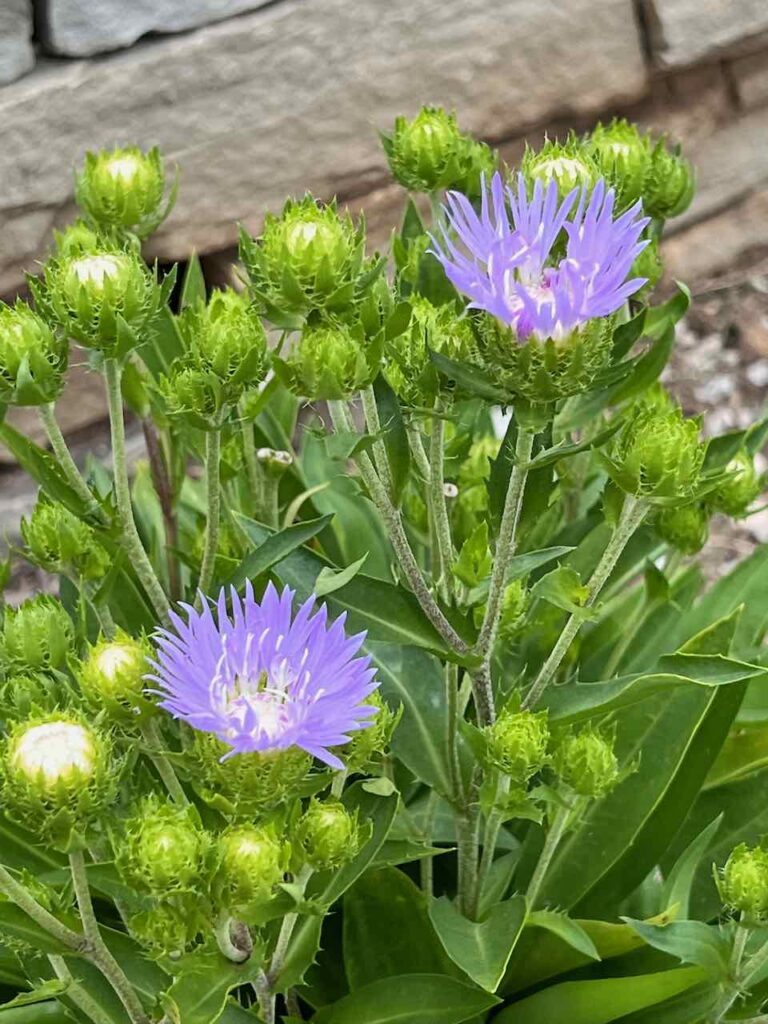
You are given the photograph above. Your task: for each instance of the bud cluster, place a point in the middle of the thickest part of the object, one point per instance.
(58, 541)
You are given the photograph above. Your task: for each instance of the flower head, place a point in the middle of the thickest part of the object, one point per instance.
(506, 261)
(263, 679)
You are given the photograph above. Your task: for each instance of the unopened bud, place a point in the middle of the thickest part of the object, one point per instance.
(163, 849)
(123, 188)
(517, 743)
(59, 541)
(569, 164)
(671, 183)
(328, 835)
(251, 861)
(227, 338)
(367, 744)
(274, 461)
(740, 489)
(112, 674)
(586, 762)
(659, 453)
(623, 156)
(744, 881)
(37, 634)
(32, 357)
(685, 528)
(330, 363)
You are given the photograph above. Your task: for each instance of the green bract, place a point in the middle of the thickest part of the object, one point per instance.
(57, 540)
(585, 761)
(517, 743)
(330, 362)
(429, 153)
(251, 861)
(163, 849)
(744, 881)
(670, 185)
(124, 189)
(38, 634)
(569, 163)
(33, 357)
(112, 675)
(685, 528)
(623, 156)
(327, 835)
(741, 487)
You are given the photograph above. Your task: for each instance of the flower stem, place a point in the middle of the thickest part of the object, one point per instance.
(419, 454)
(280, 951)
(252, 467)
(213, 499)
(493, 825)
(505, 549)
(398, 538)
(738, 983)
(339, 779)
(164, 768)
(20, 895)
(65, 460)
(129, 534)
(438, 510)
(106, 963)
(466, 842)
(75, 991)
(426, 867)
(554, 835)
(161, 478)
(373, 423)
(632, 515)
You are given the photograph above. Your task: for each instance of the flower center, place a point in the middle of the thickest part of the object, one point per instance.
(261, 706)
(112, 660)
(125, 167)
(96, 269)
(54, 749)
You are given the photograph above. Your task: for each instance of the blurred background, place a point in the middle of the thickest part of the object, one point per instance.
(255, 100)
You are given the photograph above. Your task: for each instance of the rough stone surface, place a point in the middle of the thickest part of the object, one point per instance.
(684, 31)
(79, 28)
(276, 101)
(16, 53)
(750, 78)
(719, 242)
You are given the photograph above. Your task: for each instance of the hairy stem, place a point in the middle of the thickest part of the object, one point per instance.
(467, 841)
(505, 550)
(213, 510)
(20, 895)
(398, 538)
(493, 824)
(438, 510)
(129, 534)
(102, 957)
(632, 515)
(554, 835)
(75, 991)
(161, 479)
(252, 468)
(153, 739)
(65, 460)
(373, 423)
(233, 939)
(280, 951)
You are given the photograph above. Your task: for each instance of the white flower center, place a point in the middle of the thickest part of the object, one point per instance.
(55, 749)
(113, 659)
(563, 167)
(96, 269)
(125, 167)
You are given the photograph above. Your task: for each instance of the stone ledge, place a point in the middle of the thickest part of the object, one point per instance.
(289, 98)
(685, 31)
(17, 56)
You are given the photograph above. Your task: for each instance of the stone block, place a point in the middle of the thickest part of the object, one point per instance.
(16, 53)
(685, 31)
(750, 78)
(290, 98)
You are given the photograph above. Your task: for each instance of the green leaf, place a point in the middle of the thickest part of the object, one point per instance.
(272, 547)
(679, 881)
(395, 434)
(199, 994)
(409, 999)
(41, 1013)
(744, 751)
(564, 450)
(48, 990)
(693, 942)
(480, 948)
(601, 1001)
(563, 588)
(329, 579)
(16, 925)
(470, 379)
(566, 928)
(42, 467)
(193, 289)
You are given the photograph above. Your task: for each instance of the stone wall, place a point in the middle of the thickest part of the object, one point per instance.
(258, 98)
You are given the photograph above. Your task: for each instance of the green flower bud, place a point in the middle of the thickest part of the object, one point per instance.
(408, 368)
(367, 744)
(169, 927)
(685, 528)
(517, 743)
(671, 183)
(545, 371)
(227, 338)
(330, 363)
(57, 775)
(245, 785)
(27, 694)
(100, 295)
(585, 761)
(514, 606)
(76, 239)
(328, 835)
(743, 884)
(123, 188)
(251, 861)
(740, 489)
(274, 462)
(429, 153)
(659, 453)
(32, 358)
(193, 393)
(112, 675)
(623, 156)
(569, 164)
(163, 848)
(37, 635)
(308, 258)
(58, 541)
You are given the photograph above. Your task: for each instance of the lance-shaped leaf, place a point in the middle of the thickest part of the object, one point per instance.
(480, 948)
(409, 999)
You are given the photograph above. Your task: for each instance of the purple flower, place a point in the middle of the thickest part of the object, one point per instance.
(263, 679)
(503, 259)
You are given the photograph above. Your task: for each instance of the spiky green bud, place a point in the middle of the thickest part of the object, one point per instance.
(58, 775)
(103, 298)
(76, 239)
(25, 694)
(170, 927)
(123, 189)
(308, 258)
(429, 153)
(163, 849)
(112, 675)
(251, 861)
(685, 528)
(545, 371)
(226, 337)
(327, 834)
(670, 185)
(623, 155)
(37, 634)
(33, 358)
(367, 744)
(658, 453)
(586, 762)
(742, 486)
(193, 393)
(58, 541)
(743, 883)
(568, 163)
(517, 743)
(408, 368)
(330, 363)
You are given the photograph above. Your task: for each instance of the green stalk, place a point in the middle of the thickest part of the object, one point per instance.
(129, 534)
(466, 842)
(505, 550)
(20, 895)
(153, 739)
(438, 510)
(418, 451)
(75, 991)
(252, 468)
(493, 825)
(213, 500)
(398, 538)
(373, 423)
(554, 835)
(281, 946)
(739, 984)
(104, 959)
(632, 514)
(65, 460)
